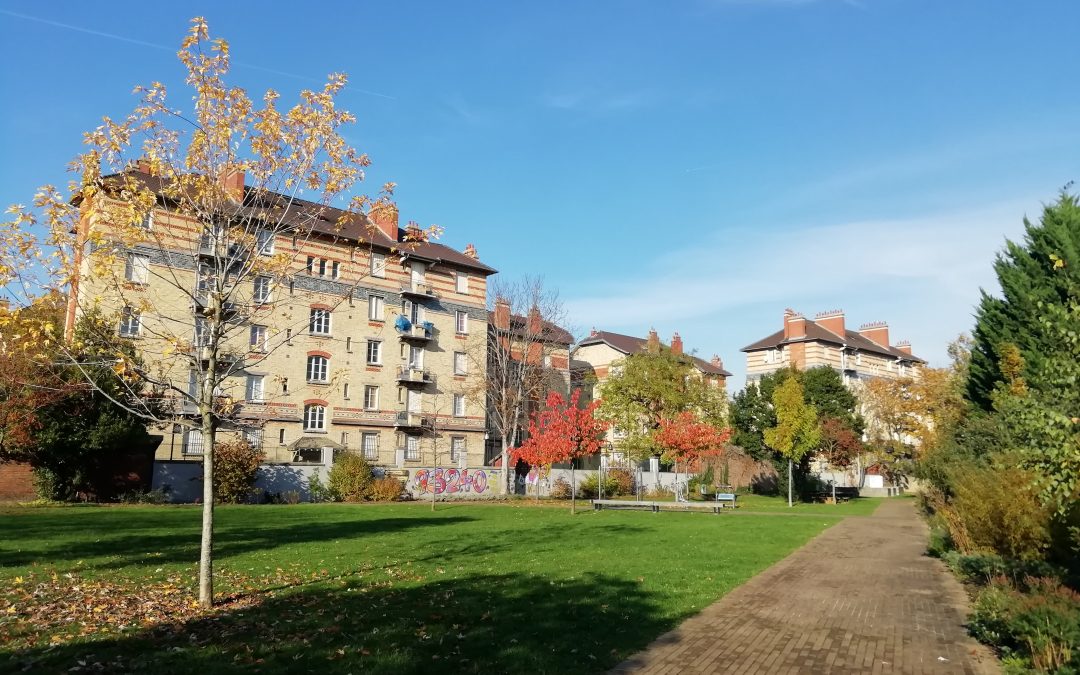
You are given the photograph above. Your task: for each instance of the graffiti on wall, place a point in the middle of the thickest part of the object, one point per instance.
(450, 481)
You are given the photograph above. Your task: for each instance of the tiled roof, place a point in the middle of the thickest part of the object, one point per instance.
(324, 220)
(817, 333)
(628, 344)
(553, 332)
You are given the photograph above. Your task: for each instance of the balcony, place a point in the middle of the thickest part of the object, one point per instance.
(418, 289)
(224, 357)
(408, 375)
(416, 332)
(409, 420)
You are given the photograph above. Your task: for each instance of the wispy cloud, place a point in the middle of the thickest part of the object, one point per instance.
(598, 102)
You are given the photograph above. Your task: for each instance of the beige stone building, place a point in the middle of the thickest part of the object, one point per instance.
(360, 346)
(826, 341)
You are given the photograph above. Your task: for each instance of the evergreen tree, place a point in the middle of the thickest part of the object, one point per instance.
(824, 389)
(751, 415)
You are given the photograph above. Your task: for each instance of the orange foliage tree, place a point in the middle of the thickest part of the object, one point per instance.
(689, 440)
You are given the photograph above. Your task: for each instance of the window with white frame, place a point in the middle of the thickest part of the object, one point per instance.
(457, 448)
(378, 265)
(254, 388)
(416, 357)
(202, 332)
(322, 267)
(264, 241)
(370, 443)
(254, 436)
(412, 448)
(130, 323)
(461, 363)
(258, 338)
(320, 321)
(262, 289)
(461, 322)
(317, 368)
(137, 270)
(335, 269)
(371, 397)
(376, 308)
(462, 283)
(374, 352)
(314, 417)
(459, 405)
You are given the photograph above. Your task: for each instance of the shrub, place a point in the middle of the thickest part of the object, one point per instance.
(623, 479)
(290, 497)
(386, 489)
(320, 491)
(350, 478)
(236, 464)
(1041, 626)
(659, 492)
(159, 496)
(590, 487)
(560, 489)
(982, 568)
(999, 512)
(47, 485)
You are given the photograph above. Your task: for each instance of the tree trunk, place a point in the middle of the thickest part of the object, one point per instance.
(206, 546)
(506, 466)
(573, 487)
(789, 484)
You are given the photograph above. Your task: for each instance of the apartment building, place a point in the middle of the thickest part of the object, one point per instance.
(362, 345)
(826, 341)
(601, 355)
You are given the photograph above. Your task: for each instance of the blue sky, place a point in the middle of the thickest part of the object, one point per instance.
(694, 166)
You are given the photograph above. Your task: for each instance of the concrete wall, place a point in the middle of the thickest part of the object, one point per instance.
(184, 479)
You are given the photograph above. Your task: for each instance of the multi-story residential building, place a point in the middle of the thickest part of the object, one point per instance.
(602, 353)
(826, 341)
(361, 346)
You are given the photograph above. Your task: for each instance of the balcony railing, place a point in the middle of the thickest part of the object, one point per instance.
(418, 288)
(405, 419)
(409, 375)
(416, 332)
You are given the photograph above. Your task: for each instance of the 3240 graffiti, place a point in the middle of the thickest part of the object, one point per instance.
(450, 481)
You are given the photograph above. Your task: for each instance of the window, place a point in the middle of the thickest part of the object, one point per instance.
(320, 321)
(310, 264)
(254, 388)
(335, 268)
(129, 322)
(462, 283)
(258, 338)
(459, 405)
(457, 448)
(412, 448)
(202, 332)
(316, 368)
(264, 242)
(138, 268)
(416, 273)
(413, 310)
(288, 335)
(374, 352)
(193, 383)
(262, 289)
(345, 439)
(348, 345)
(314, 418)
(371, 397)
(416, 357)
(461, 322)
(204, 279)
(281, 436)
(147, 221)
(378, 265)
(370, 443)
(284, 385)
(460, 364)
(192, 444)
(858, 358)
(345, 391)
(322, 267)
(376, 308)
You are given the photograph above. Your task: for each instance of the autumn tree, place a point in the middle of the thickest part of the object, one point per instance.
(840, 445)
(652, 386)
(526, 356)
(242, 186)
(796, 432)
(564, 431)
(687, 439)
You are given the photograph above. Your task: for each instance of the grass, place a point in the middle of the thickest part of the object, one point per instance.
(376, 589)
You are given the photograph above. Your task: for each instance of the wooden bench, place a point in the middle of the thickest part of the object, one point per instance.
(714, 506)
(843, 494)
(599, 504)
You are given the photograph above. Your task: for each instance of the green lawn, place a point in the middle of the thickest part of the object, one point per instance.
(373, 589)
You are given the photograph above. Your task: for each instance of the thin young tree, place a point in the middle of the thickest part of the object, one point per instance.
(240, 189)
(796, 432)
(524, 356)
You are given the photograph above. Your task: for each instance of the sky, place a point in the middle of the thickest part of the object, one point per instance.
(693, 166)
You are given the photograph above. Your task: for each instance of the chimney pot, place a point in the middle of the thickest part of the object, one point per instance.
(470, 251)
(876, 331)
(676, 344)
(385, 217)
(653, 342)
(502, 313)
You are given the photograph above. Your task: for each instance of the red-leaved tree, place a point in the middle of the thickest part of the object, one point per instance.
(687, 439)
(839, 444)
(562, 432)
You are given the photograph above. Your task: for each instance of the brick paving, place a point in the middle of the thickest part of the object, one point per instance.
(860, 598)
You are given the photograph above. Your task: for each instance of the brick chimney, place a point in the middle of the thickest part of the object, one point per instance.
(385, 217)
(534, 324)
(652, 344)
(904, 346)
(502, 314)
(794, 325)
(233, 182)
(832, 320)
(717, 362)
(470, 251)
(877, 332)
(676, 344)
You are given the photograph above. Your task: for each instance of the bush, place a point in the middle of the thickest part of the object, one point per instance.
(320, 491)
(236, 464)
(590, 487)
(386, 489)
(999, 511)
(350, 478)
(560, 489)
(1041, 626)
(982, 568)
(659, 492)
(705, 479)
(47, 485)
(623, 479)
(159, 496)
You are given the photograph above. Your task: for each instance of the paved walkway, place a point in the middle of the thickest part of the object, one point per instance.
(860, 598)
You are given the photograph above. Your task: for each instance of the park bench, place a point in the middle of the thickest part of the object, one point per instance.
(715, 506)
(842, 494)
(599, 504)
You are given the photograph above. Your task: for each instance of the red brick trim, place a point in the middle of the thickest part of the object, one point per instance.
(319, 305)
(316, 401)
(316, 352)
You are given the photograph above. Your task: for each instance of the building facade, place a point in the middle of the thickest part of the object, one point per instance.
(826, 341)
(361, 346)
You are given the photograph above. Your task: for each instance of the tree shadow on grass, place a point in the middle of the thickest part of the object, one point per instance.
(493, 623)
(181, 544)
